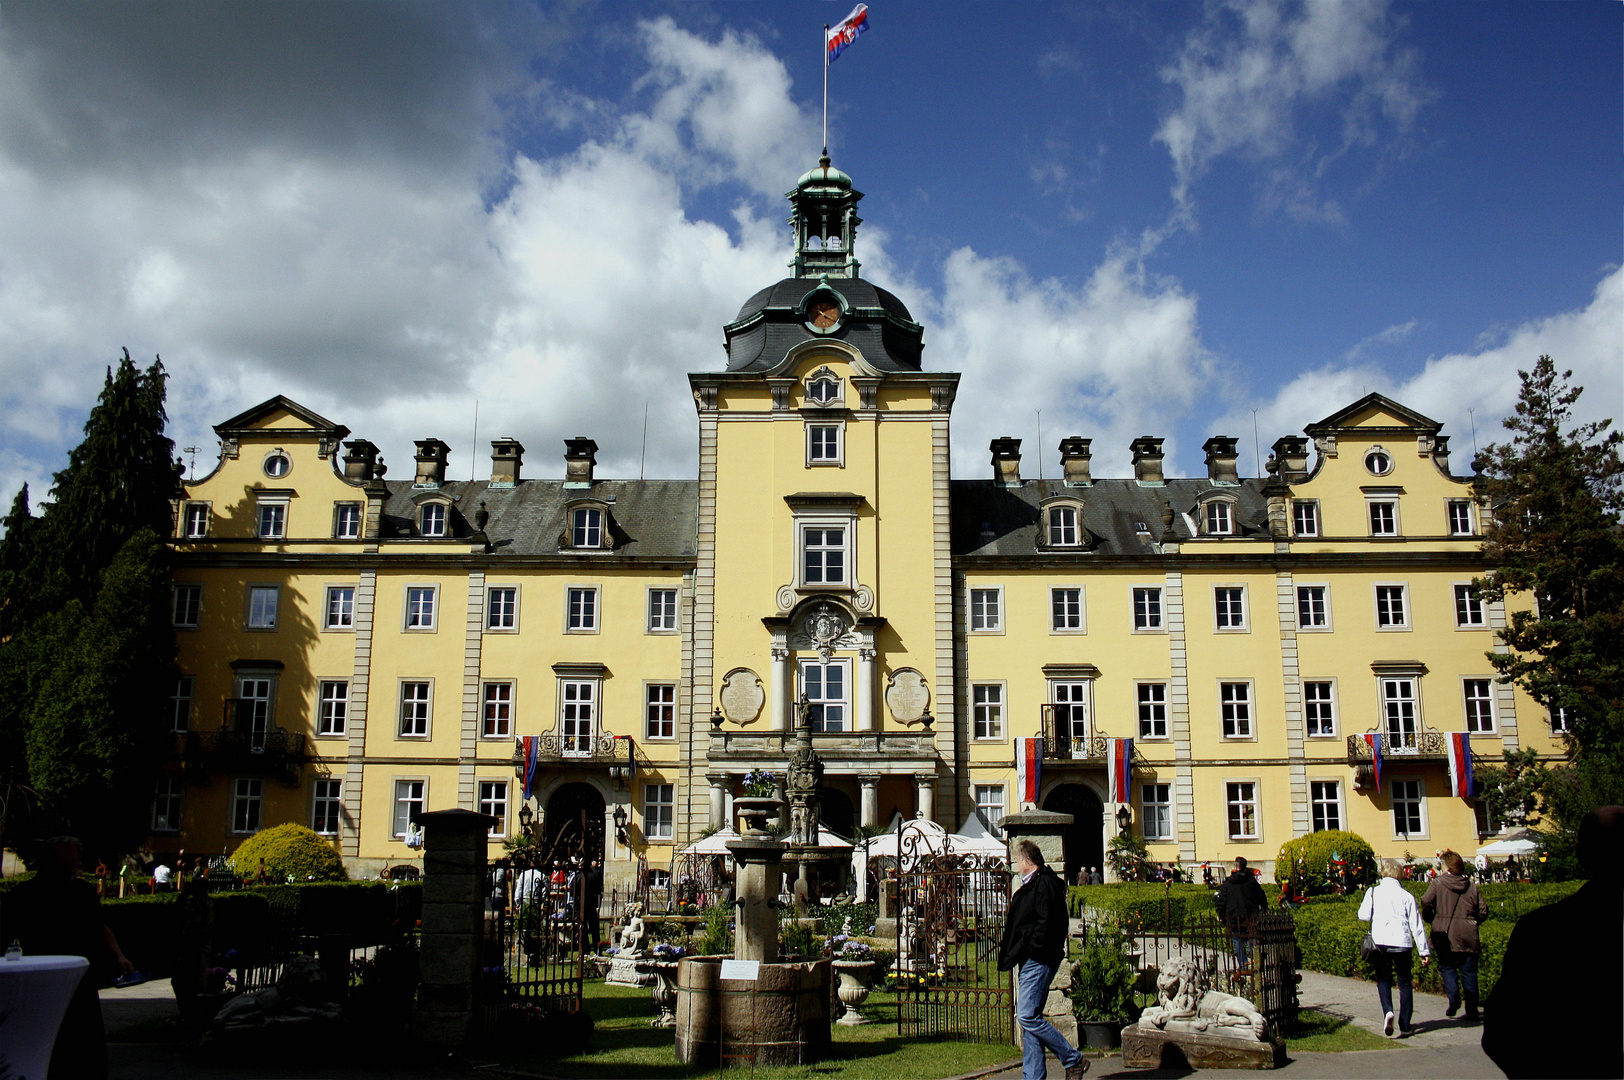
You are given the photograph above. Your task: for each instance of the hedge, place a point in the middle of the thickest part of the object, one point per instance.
(1142, 904)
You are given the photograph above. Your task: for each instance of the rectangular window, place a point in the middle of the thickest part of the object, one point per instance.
(988, 708)
(578, 715)
(661, 712)
(1066, 609)
(1152, 710)
(493, 802)
(1468, 608)
(986, 609)
(1156, 811)
(1305, 517)
(1325, 803)
(823, 444)
(327, 806)
(410, 798)
(1399, 713)
(420, 604)
(1319, 709)
(498, 721)
(1070, 703)
(662, 610)
(1408, 815)
(1229, 608)
(1460, 517)
(346, 521)
(582, 611)
(167, 803)
(1561, 721)
(262, 602)
(659, 802)
(1219, 521)
(341, 608)
(180, 710)
(824, 685)
(1383, 518)
(432, 519)
(1479, 704)
(415, 709)
(253, 709)
(333, 708)
(990, 803)
(1312, 613)
(1063, 526)
(1147, 609)
(247, 805)
(1235, 700)
(823, 556)
(197, 520)
(1241, 799)
(188, 604)
(586, 527)
(1392, 610)
(273, 520)
(502, 608)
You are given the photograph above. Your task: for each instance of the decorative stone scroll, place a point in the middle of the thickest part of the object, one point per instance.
(742, 696)
(825, 628)
(907, 696)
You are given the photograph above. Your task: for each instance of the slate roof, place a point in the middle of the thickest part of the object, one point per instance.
(649, 518)
(989, 520)
(877, 323)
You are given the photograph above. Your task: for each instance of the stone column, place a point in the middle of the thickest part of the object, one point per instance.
(453, 921)
(719, 783)
(865, 690)
(758, 880)
(926, 797)
(783, 689)
(870, 784)
(1045, 828)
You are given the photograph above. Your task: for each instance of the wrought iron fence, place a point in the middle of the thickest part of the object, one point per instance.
(1258, 961)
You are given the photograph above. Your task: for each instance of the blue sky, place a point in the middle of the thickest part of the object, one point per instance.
(1140, 218)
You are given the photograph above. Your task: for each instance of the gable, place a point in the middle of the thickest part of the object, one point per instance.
(1373, 413)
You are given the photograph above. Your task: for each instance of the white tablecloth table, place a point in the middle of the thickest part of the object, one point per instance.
(34, 994)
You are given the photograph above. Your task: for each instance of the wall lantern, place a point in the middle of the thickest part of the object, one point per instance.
(620, 824)
(1124, 818)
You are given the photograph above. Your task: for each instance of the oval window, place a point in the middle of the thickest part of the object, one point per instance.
(278, 465)
(823, 391)
(1378, 462)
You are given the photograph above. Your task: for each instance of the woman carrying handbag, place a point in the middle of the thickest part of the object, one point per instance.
(1454, 908)
(1395, 928)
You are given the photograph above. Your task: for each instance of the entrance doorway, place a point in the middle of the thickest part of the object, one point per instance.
(574, 824)
(1084, 838)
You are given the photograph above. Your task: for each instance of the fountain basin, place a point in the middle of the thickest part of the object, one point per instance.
(780, 1019)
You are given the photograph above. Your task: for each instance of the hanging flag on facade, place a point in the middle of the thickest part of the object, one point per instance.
(631, 758)
(1028, 771)
(1374, 740)
(842, 34)
(532, 748)
(1119, 767)
(1460, 764)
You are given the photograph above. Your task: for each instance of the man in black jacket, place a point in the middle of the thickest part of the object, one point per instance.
(1035, 941)
(1240, 901)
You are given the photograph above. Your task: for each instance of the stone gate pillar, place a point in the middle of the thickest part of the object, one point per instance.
(453, 923)
(1045, 828)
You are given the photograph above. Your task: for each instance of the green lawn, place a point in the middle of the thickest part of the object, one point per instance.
(624, 1045)
(1322, 1032)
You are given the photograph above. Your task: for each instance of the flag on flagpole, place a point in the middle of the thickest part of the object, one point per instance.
(631, 757)
(1028, 770)
(531, 752)
(1460, 764)
(842, 34)
(1374, 739)
(1119, 768)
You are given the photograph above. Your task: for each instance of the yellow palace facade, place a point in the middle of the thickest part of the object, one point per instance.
(355, 648)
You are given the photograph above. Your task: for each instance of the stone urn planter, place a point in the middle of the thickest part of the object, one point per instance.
(755, 810)
(664, 990)
(853, 989)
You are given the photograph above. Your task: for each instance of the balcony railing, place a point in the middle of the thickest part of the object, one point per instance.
(749, 745)
(1422, 743)
(602, 748)
(1065, 739)
(270, 752)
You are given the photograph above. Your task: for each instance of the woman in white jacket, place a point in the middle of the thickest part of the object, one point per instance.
(1396, 927)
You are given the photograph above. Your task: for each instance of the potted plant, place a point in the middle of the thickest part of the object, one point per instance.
(853, 961)
(1102, 989)
(759, 801)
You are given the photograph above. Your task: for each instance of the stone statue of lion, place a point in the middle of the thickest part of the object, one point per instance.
(1186, 1002)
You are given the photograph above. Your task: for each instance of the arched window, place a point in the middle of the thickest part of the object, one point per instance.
(1219, 518)
(1063, 531)
(431, 519)
(586, 527)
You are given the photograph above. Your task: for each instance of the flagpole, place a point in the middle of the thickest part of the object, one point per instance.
(825, 89)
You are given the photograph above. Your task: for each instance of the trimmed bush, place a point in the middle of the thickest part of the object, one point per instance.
(1307, 862)
(291, 853)
(1142, 905)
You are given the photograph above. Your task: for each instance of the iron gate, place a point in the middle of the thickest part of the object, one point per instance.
(951, 912)
(535, 920)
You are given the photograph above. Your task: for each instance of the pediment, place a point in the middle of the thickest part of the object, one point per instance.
(1373, 413)
(281, 416)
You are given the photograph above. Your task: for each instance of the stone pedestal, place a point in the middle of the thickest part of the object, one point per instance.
(757, 878)
(1152, 1048)
(1045, 829)
(624, 971)
(453, 921)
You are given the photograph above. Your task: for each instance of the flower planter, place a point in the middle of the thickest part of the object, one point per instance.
(755, 811)
(664, 990)
(853, 989)
(1105, 1035)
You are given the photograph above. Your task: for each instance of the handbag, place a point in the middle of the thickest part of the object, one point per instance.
(1368, 948)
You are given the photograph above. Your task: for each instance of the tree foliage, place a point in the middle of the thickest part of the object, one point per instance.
(1320, 861)
(291, 853)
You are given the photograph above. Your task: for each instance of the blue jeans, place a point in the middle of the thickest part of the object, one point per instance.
(1032, 990)
(1395, 964)
(1459, 971)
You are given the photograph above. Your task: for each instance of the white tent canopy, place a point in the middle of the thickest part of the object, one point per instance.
(973, 838)
(1503, 848)
(714, 844)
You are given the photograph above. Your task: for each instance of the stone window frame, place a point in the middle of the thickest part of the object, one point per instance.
(1312, 506)
(1425, 832)
(249, 590)
(1387, 455)
(238, 795)
(433, 624)
(504, 821)
(317, 799)
(1405, 625)
(570, 591)
(649, 685)
(1139, 703)
(594, 703)
(1256, 801)
(518, 606)
(846, 700)
(1245, 625)
(485, 701)
(666, 829)
(1000, 614)
(1450, 505)
(838, 461)
(1329, 625)
(192, 507)
(1207, 502)
(1002, 802)
(1340, 802)
(263, 503)
(648, 610)
(1482, 607)
(1061, 504)
(1170, 804)
(1161, 608)
(1490, 698)
(328, 626)
(1251, 704)
(824, 373)
(1002, 705)
(826, 519)
(338, 517)
(175, 591)
(427, 734)
(1081, 629)
(442, 527)
(343, 730)
(1336, 709)
(1373, 501)
(395, 802)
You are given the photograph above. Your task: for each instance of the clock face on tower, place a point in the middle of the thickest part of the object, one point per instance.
(823, 314)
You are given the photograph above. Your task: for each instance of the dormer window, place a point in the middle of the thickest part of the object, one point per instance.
(432, 519)
(277, 464)
(823, 390)
(586, 527)
(1063, 526)
(1378, 462)
(1219, 518)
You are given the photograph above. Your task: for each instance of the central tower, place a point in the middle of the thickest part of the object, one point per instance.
(825, 222)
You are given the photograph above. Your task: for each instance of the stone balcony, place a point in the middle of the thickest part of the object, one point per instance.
(878, 751)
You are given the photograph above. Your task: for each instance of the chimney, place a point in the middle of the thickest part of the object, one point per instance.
(1291, 451)
(360, 460)
(580, 457)
(1147, 459)
(1221, 460)
(506, 457)
(1074, 461)
(1006, 461)
(431, 457)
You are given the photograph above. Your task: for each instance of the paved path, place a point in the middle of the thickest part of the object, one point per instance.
(1439, 1049)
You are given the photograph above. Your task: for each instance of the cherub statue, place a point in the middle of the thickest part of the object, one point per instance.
(633, 936)
(1184, 1002)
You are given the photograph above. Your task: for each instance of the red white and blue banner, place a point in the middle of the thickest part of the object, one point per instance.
(1028, 771)
(532, 747)
(1119, 770)
(1459, 746)
(837, 37)
(1374, 740)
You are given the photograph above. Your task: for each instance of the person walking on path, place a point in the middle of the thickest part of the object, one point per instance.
(1395, 926)
(1454, 908)
(1561, 972)
(1240, 901)
(1034, 940)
